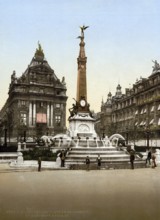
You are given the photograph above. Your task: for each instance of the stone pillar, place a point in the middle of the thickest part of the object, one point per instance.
(58, 161)
(24, 145)
(19, 147)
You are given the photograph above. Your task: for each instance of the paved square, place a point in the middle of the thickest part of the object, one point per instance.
(67, 194)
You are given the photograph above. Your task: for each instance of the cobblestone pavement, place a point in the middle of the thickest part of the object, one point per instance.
(78, 195)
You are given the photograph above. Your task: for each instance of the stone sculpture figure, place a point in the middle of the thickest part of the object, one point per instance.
(73, 110)
(156, 65)
(13, 76)
(63, 80)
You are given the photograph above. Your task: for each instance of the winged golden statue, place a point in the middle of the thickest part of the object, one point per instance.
(82, 30)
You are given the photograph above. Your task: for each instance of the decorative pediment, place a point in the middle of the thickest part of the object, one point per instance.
(41, 68)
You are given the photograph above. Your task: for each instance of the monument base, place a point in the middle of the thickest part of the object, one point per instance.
(82, 125)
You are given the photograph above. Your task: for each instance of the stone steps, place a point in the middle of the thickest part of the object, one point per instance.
(80, 148)
(110, 157)
(104, 157)
(96, 152)
(106, 166)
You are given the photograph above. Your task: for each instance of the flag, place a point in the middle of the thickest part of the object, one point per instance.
(41, 118)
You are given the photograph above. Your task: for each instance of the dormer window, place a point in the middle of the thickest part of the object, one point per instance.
(152, 109)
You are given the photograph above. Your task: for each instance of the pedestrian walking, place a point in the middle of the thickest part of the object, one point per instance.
(62, 156)
(99, 162)
(39, 164)
(132, 158)
(148, 159)
(154, 159)
(87, 162)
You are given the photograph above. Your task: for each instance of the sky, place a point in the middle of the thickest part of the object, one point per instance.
(122, 40)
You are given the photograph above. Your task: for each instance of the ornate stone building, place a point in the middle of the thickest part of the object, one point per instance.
(135, 114)
(36, 103)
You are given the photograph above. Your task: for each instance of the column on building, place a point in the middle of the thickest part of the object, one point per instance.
(30, 114)
(34, 114)
(48, 114)
(51, 115)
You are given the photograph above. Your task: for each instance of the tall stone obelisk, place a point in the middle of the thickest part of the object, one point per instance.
(81, 122)
(82, 60)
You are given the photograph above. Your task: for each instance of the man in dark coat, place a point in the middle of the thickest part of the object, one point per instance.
(148, 157)
(99, 162)
(39, 164)
(87, 162)
(62, 156)
(132, 158)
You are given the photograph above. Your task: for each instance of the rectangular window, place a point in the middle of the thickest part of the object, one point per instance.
(58, 105)
(58, 120)
(23, 119)
(23, 102)
(41, 90)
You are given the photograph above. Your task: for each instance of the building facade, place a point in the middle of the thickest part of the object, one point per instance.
(135, 114)
(36, 103)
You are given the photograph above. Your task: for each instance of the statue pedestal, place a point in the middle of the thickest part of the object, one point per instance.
(82, 125)
(19, 158)
(19, 147)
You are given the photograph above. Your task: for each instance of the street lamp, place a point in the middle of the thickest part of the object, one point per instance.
(24, 135)
(103, 132)
(5, 137)
(134, 134)
(0, 130)
(126, 136)
(147, 136)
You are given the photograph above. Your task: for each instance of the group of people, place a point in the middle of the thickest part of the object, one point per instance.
(62, 156)
(98, 162)
(151, 156)
(150, 160)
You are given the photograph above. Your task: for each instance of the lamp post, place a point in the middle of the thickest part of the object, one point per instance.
(24, 136)
(134, 140)
(147, 136)
(5, 137)
(103, 132)
(0, 130)
(126, 136)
